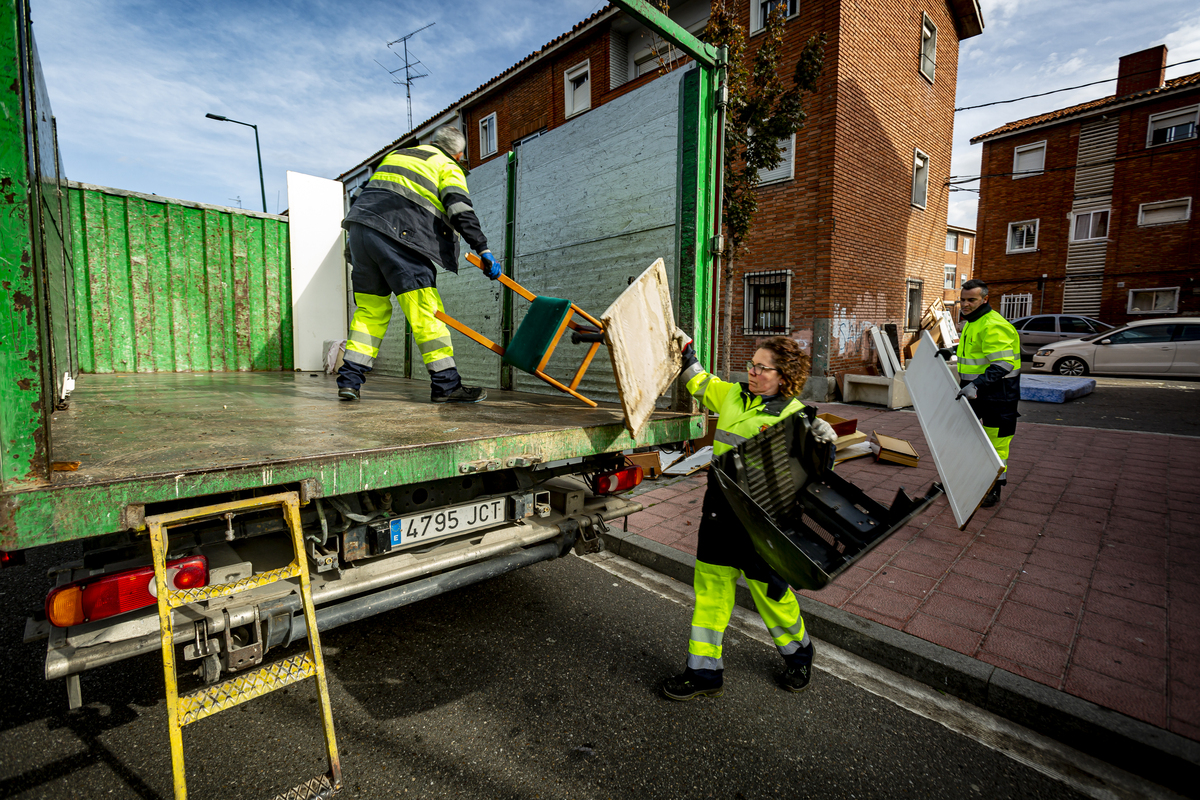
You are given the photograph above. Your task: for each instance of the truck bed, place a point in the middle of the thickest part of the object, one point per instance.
(148, 438)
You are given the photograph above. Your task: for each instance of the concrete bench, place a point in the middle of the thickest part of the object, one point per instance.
(877, 389)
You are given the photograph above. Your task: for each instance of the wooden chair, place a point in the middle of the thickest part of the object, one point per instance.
(538, 334)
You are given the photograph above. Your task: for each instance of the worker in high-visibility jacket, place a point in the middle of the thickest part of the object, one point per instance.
(401, 228)
(989, 372)
(724, 551)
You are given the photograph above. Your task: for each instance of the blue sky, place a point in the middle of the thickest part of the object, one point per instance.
(130, 82)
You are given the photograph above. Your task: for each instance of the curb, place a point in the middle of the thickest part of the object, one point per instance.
(1165, 758)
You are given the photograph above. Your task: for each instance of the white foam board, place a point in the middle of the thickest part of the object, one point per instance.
(881, 350)
(315, 211)
(966, 461)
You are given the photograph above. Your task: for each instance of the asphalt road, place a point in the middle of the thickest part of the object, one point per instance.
(1151, 405)
(538, 684)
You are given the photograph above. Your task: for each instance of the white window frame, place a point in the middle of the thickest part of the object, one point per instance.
(966, 245)
(956, 236)
(928, 49)
(486, 124)
(917, 156)
(1027, 148)
(951, 275)
(1008, 242)
(912, 315)
(1178, 112)
(569, 76)
(760, 278)
(786, 170)
(1174, 309)
(760, 19)
(1077, 215)
(1187, 214)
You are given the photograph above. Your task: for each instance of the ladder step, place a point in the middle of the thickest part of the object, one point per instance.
(227, 694)
(182, 597)
(320, 788)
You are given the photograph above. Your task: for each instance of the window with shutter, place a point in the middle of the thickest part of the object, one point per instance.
(787, 167)
(1172, 126)
(578, 87)
(1029, 159)
(1022, 236)
(1165, 212)
(928, 47)
(920, 179)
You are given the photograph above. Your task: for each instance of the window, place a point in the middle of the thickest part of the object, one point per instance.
(1037, 324)
(787, 167)
(920, 179)
(1188, 333)
(952, 241)
(1076, 325)
(578, 87)
(1022, 236)
(966, 245)
(1165, 212)
(487, 136)
(912, 320)
(951, 269)
(1143, 334)
(1153, 301)
(1015, 306)
(762, 10)
(767, 301)
(1028, 160)
(1172, 126)
(928, 47)
(1090, 225)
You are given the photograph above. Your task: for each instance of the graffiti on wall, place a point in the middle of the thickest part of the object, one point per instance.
(849, 324)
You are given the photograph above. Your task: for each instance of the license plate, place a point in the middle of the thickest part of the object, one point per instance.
(428, 525)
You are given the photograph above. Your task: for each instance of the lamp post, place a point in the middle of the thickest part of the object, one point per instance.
(261, 184)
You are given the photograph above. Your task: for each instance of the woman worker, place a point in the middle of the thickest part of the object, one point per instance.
(724, 550)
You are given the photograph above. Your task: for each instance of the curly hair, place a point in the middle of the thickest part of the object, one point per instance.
(792, 362)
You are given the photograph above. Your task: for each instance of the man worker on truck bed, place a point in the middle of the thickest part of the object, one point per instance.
(989, 372)
(400, 230)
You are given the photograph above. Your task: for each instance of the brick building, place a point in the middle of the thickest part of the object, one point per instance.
(1088, 209)
(960, 262)
(850, 227)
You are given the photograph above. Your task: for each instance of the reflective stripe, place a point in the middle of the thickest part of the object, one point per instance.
(999, 354)
(1012, 374)
(355, 357)
(365, 338)
(792, 631)
(707, 635)
(405, 172)
(731, 439)
(975, 362)
(701, 388)
(692, 371)
(440, 364)
(434, 344)
(392, 184)
(413, 152)
(1004, 365)
(789, 648)
(704, 662)
(454, 209)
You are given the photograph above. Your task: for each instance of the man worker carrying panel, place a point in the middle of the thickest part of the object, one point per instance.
(989, 372)
(400, 230)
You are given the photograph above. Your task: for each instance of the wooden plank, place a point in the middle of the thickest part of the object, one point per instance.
(965, 459)
(638, 330)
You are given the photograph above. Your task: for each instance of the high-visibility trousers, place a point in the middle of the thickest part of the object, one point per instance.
(1001, 443)
(715, 586)
(381, 267)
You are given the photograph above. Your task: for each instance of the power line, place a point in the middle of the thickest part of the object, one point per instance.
(1071, 88)
(955, 180)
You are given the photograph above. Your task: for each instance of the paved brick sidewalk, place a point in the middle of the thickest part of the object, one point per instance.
(1085, 578)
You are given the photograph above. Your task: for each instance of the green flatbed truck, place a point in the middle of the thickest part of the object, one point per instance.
(147, 368)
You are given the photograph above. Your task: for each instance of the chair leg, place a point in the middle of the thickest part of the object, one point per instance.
(587, 360)
(562, 388)
(553, 343)
(465, 331)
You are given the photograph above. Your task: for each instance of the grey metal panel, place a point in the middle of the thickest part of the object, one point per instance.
(1083, 295)
(596, 205)
(1097, 148)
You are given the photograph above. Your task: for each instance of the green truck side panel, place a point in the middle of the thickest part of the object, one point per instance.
(168, 286)
(24, 441)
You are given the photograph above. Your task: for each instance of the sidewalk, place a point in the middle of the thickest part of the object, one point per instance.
(1084, 579)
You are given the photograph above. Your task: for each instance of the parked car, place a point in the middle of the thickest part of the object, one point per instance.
(1043, 329)
(1161, 347)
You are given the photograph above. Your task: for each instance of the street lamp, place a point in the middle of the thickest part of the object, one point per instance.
(261, 184)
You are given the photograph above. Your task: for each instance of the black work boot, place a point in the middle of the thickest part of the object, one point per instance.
(799, 670)
(993, 497)
(347, 393)
(693, 684)
(462, 394)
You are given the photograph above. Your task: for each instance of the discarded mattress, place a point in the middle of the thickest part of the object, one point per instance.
(807, 522)
(1054, 388)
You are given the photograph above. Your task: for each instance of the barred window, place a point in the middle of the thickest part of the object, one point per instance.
(767, 297)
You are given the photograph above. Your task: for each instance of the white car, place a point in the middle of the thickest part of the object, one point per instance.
(1161, 347)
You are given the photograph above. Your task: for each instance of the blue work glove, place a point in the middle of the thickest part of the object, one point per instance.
(491, 267)
(969, 391)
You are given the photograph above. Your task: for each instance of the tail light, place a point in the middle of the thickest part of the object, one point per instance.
(91, 599)
(618, 481)
(12, 558)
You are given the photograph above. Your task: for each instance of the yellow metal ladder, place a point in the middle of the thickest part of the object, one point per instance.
(185, 709)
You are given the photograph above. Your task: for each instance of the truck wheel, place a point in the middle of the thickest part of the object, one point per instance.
(1072, 366)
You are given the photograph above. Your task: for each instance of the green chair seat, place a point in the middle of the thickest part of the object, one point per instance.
(536, 333)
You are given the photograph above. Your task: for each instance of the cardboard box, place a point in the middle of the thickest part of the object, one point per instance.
(649, 463)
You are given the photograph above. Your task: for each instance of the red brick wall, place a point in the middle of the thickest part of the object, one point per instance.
(1138, 257)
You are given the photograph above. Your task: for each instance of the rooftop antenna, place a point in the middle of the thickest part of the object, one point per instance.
(412, 69)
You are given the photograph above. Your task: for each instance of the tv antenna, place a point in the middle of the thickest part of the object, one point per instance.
(412, 69)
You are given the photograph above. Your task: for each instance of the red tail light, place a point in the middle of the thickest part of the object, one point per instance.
(12, 558)
(618, 481)
(105, 596)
